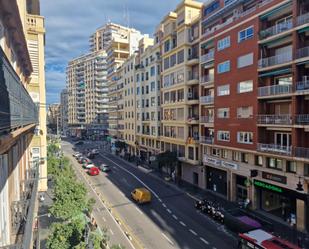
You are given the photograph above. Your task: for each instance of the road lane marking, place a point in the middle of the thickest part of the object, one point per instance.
(111, 231)
(104, 218)
(159, 200)
(182, 223)
(138, 210)
(169, 211)
(167, 238)
(164, 205)
(175, 217)
(98, 209)
(205, 241)
(193, 232)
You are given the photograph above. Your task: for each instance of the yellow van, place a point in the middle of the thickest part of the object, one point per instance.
(141, 195)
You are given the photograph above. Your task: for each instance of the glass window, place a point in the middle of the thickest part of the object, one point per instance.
(173, 60)
(223, 136)
(211, 8)
(245, 60)
(215, 152)
(152, 71)
(245, 86)
(274, 163)
(166, 63)
(223, 67)
(152, 86)
(245, 112)
(258, 160)
(224, 43)
(245, 137)
(223, 113)
(166, 46)
(245, 34)
(291, 166)
(223, 90)
(180, 56)
(306, 169)
(224, 153)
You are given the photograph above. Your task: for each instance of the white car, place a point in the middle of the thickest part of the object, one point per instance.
(95, 151)
(77, 154)
(89, 166)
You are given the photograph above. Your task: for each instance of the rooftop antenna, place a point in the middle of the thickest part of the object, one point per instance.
(126, 15)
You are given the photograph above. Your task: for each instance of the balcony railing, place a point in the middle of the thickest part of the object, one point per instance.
(274, 90)
(16, 106)
(276, 60)
(302, 119)
(302, 52)
(207, 99)
(193, 57)
(275, 148)
(207, 79)
(277, 29)
(303, 19)
(207, 57)
(301, 152)
(193, 76)
(275, 119)
(302, 86)
(206, 119)
(206, 140)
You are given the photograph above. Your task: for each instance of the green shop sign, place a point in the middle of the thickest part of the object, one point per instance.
(268, 186)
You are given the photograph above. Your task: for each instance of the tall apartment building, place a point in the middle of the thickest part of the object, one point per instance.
(254, 60)
(180, 89)
(22, 158)
(124, 42)
(87, 94)
(64, 111)
(53, 117)
(148, 99)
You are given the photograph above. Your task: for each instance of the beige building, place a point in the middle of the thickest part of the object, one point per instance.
(53, 116)
(87, 94)
(180, 88)
(22, 120)
(64, 111)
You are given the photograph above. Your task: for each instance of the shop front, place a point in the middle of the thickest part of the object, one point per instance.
(216, 180)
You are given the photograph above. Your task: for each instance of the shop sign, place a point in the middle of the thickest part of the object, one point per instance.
(229, 165)
(274, 177)
(218, 162)
(268, 186)
(152, 158)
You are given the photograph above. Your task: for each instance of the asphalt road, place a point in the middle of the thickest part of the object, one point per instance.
(170, 221)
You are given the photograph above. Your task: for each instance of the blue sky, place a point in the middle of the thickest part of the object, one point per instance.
(69, 23)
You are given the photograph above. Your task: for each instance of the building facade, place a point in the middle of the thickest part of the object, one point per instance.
(253, 104)
(64, 112)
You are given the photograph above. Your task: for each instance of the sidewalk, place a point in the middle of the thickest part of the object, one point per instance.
(276, 226)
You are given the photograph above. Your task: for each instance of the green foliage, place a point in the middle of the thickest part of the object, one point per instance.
(167, 159)
(90, 204)
(117, 247)
(120, 145)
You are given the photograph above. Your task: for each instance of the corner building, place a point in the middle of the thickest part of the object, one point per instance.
(254, 104)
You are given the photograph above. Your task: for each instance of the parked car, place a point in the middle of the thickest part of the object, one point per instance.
(105, 168)
(141, 195)
(95, 151)
(76, 154)
(93, 171)
(90, 155)
(79, 143)
(88, 166)
(81, 159)
(86, 161)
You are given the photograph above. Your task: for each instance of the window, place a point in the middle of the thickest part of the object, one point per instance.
(227, 2)
(224, 154)
(223, 113)
(153, 101)
(152, 86)
(173, 60)
(258, 160)
(223, 90)
(191, 153)
(224, 43)
(211, 8)
(223, 67)
(223, 136)
(152, 71)
(244, 137)
(245, 86)
(245, 112)
(237, 156)
(215, 152)
(244, 157)
(166, 46)
(306, 169)
(245, 34)
(274, 163)
(166, 63)
(180, 56)
(291, 167)
(245, 60)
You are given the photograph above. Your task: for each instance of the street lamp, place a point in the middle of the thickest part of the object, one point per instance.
(299, 185)
(38, 244)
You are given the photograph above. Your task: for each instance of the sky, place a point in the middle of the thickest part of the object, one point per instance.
(69, 23)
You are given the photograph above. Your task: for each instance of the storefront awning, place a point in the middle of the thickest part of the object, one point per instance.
(276, 72)
(303, 30)
(274, 11)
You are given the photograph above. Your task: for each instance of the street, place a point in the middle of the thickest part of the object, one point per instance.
(170, 221)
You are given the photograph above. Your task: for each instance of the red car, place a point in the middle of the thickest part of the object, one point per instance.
(94, 171)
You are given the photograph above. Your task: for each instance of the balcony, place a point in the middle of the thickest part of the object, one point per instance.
(276, 29)
(302, 86)
(275, 119)
(303, 19)
(206, 119)
(274, 90)
(207, 57)
(276, 60)
(193, 78)
(302, 52)
(275, 148)
(207, 80)
(301, 152)
(206, 140)
(193, 119)
(16, 106)
(302, 119)
(207, 99)
(193, 59)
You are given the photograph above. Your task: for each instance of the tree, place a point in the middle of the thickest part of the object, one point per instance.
(167, 159)
(120, 145)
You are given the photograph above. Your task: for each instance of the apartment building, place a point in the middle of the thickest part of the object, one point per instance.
(148, 99)
(87, 95)
(20, 146)
(254, 104)
(124, 42)
(180, 89)
(53, 117)
(64, 111)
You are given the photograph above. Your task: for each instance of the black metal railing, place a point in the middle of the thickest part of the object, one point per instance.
(16, 106)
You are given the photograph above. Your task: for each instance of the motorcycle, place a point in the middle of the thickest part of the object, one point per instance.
(200, 204)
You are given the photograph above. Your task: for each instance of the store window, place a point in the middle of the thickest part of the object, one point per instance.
(274, 163)
(291, 166)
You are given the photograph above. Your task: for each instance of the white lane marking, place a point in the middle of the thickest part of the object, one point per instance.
(164, 205)
(104, 218)
(214, 248)
(124, 169)
(159, 200)
(111, 231)
(193, 232)
(98, 209)
(175, 217)
(182, 223)
(113, 218)
(169, 211)
(205, 241)
(138, 210)
(167, 238)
